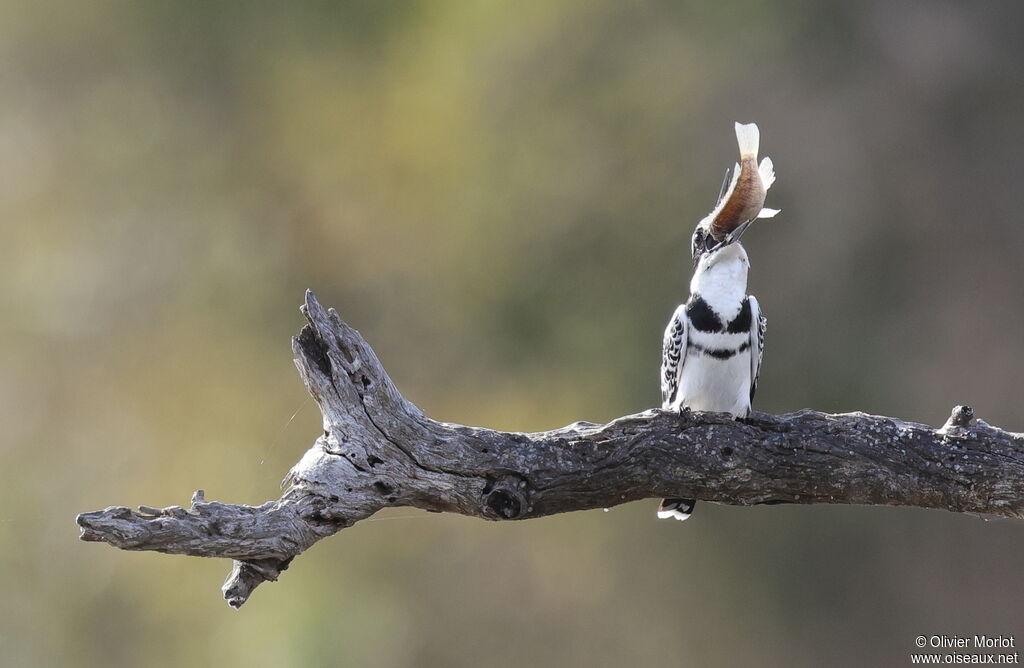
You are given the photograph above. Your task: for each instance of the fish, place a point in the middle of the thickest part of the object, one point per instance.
(741, 199)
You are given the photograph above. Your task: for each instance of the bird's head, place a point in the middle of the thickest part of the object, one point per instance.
(709, 251)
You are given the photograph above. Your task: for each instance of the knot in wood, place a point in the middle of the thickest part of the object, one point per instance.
(961, 417)
(504, 501)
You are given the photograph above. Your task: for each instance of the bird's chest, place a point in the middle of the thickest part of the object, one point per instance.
(716, 317)
(716, 383)
(716, 373)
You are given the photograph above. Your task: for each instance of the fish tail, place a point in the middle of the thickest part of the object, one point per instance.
(748, 137)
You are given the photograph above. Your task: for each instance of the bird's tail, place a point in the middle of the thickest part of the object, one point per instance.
(679, 509)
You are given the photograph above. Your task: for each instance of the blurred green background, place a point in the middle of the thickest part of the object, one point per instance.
(499, 195)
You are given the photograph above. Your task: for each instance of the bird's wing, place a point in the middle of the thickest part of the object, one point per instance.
(757, 327)
(673, 356)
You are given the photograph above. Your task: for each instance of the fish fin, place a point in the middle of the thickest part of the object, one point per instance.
(768, 213)
(767, 171)
(726, 183)
(748, 137)
(727, 189)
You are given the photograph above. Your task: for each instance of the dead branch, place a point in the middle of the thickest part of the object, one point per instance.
(379, 450)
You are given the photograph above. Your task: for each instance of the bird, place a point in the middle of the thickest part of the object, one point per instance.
(714, 342)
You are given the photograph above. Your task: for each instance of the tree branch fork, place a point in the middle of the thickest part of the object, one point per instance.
(379, 450)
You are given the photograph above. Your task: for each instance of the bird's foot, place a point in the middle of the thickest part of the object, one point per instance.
(684, 414)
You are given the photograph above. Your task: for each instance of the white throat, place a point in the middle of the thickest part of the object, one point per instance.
(721, 279)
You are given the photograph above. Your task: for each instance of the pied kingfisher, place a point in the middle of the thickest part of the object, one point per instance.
(713, 344)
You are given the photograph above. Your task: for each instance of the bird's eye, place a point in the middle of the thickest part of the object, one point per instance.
(697, 245)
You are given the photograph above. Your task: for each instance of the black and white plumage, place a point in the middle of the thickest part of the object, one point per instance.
(714, 343)
(711, 364)
(713, 346)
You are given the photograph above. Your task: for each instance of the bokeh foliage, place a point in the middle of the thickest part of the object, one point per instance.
(499, 195)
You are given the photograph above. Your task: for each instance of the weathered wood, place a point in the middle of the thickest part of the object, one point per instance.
(379, 450)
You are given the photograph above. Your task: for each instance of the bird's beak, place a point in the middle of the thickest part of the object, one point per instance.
(730, 238)
(735, 235)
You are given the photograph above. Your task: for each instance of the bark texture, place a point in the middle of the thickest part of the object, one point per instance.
(379, 450)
